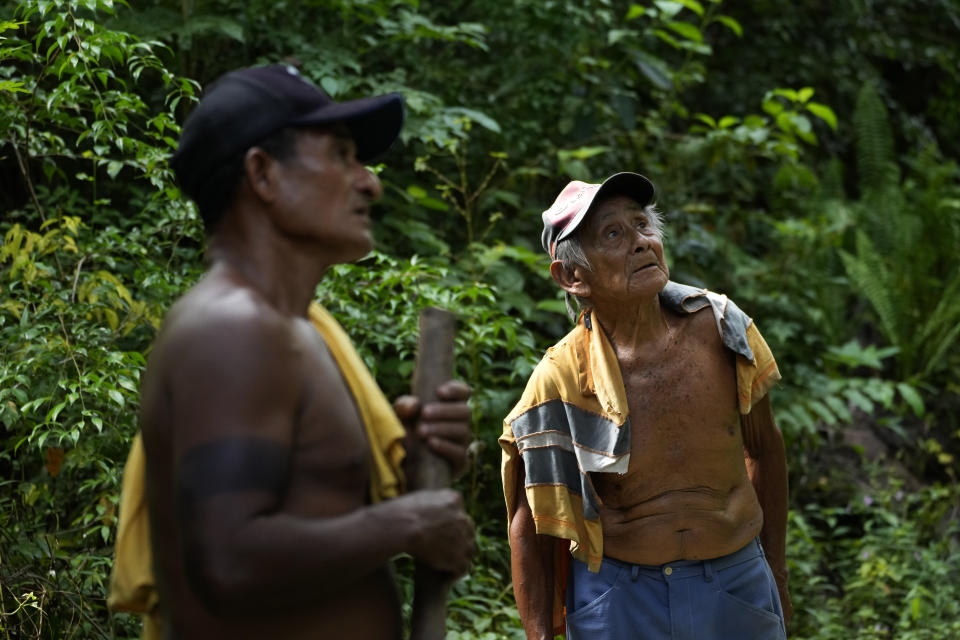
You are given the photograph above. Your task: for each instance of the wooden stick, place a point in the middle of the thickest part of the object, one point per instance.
(434, 366)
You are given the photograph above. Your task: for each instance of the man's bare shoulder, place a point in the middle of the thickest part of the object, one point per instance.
(216, 305)
(699, 326)
(224, 335)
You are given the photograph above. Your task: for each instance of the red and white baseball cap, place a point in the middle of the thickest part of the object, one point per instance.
(572, 205)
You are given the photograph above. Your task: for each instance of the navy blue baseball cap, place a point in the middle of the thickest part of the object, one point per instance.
(243, 107)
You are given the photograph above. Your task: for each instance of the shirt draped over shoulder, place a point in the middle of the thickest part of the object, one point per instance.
(572, 418)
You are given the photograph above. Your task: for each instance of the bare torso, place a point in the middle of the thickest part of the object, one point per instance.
(686, 494)
(327, 476)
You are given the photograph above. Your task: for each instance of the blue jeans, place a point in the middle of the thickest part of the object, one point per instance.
(733, 597)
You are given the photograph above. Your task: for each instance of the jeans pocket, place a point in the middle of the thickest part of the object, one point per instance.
(586, 588)
(748, 604)
(589, 600)
(731, 602)
(593, 618)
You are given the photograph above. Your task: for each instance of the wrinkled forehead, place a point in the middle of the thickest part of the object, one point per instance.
(612, 204)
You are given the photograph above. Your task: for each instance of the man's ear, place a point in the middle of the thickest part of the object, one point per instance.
(570, 280)
(260, 170)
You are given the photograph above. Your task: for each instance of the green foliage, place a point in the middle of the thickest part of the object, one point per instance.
(897, 260)
(378, 299)
(776, 137)
(852, 277)
(882, 566)
(87, 266)
(481, 605)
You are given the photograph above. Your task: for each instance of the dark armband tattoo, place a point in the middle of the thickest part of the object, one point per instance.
(231, 465)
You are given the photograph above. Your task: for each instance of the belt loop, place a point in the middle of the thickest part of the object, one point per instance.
(708, 571)
(634, 572)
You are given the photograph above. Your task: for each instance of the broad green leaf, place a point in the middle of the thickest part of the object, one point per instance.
(433, 203)
(731, 24)
(789, 94)
(669, 9)
(116, 396)
(582, 153)
(693, 5)
(654, 69)
(331, 85)
(112, 320)
(823, 112)
(13, 86)
(785, 122)
(685, 29)
(804, 94)
(635, 11)
(912, 398)
(773, 107)
(6, 25)
(915, 608)
(702, 117)
(807, 136)
(480, 118)
(210, 23)
(616, 35)
(801, 123)
(666, 37)
(727, 121)
(54, 412)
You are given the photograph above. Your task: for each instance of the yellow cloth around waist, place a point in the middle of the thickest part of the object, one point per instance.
(132, 585)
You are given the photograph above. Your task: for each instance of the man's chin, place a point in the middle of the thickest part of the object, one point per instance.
(358, 250)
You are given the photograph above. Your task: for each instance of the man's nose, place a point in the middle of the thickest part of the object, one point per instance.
(369, 184)
(640, 241)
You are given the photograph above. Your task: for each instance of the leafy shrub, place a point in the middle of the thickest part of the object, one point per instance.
(96, 245)
(882, 566)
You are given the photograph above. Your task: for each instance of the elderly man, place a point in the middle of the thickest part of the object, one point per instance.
(644, 476)
(273, 462)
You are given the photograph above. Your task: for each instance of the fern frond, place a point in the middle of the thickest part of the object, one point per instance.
(941, 330)
(869, 273)
(876, 163)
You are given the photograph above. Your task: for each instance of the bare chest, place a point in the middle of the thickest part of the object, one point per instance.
(683, 405)
(331, 457)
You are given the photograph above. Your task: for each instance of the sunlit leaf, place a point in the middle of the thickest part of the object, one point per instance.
(823, 112)
(635, 11)
(731, 24)
(685, 29)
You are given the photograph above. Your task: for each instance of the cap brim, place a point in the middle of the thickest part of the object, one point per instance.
(374, 123)
(627, 183)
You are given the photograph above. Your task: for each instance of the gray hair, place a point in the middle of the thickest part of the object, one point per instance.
(570, 253)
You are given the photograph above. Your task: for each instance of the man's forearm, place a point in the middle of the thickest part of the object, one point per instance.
(532, 567)
(767, 465)
(770, 483)
(289, 559)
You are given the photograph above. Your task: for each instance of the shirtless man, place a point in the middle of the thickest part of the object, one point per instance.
(645, 445)
(258, 460)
